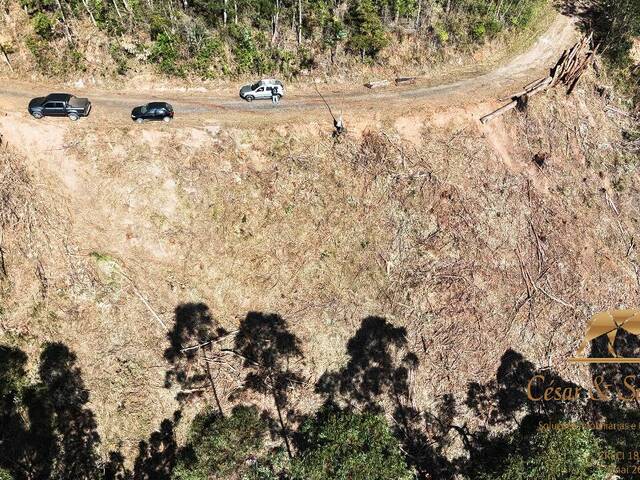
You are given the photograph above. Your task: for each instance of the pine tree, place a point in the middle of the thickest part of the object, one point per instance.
(343, 445)
(367, 33)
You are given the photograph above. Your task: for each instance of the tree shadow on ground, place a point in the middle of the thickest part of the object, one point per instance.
(621, 403)
(190, 348)
(502, 406)
(75, 425)
(157, 456)
(46, 431)
(626, 345)
(271, 353)
(378, 372)
(373, 368)
(15, 450)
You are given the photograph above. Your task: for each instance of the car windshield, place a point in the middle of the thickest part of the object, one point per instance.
(255, 85)
(143, 109)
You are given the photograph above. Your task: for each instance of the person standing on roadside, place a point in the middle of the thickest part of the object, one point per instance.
(274, 95)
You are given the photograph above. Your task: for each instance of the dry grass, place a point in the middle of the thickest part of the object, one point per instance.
(473, 248)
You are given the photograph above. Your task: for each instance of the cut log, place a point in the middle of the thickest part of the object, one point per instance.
(405, 80)
(545, 84)
(525, 90)
(567, 70)
(509, 106)
(377, 84)
(534, 83)
(617, 111)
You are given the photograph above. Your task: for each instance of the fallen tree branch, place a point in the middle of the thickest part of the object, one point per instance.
(567, 71)
(209, 342)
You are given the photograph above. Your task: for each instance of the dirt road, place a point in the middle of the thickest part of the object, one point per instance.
(303, 104)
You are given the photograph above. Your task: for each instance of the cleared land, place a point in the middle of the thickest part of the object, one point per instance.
(428, 219)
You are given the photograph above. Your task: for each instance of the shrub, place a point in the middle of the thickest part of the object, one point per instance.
(349, 446)
(42, 25)
(441, 34)
(209, 59)
(246, 54)
(219, 446)
(165, 53)
(479, 31)
(4, 475)
(119, 57)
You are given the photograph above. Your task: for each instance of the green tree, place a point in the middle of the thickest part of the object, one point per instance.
(333, 33)
(220, 446)
(575, 454)
(342, 445)
(4, 475)
(616, 23)
(367, 33)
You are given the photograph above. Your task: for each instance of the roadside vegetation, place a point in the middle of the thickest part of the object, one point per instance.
(221, 38)
(616, 25)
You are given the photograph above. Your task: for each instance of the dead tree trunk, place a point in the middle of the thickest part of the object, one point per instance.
(418, 12)
(283, 428)
(67, 32)
(3, 265)
(275, 21)
(115, 4)
(6, 57)
(86, 7)
(127, 7)
(211, 382)
(299, 22)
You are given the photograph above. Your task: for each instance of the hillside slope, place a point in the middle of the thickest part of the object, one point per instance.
(430, 223)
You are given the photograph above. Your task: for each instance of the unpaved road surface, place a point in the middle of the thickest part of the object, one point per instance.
(302, 104)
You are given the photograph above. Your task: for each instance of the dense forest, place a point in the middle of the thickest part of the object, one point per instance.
(224, 38)
(214, 38)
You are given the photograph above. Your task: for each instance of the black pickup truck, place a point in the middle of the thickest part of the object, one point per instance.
(60, 105)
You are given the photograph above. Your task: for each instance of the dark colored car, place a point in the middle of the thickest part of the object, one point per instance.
(60, 105)
(152, 111)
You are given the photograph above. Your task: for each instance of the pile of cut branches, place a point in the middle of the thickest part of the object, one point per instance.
(567, 71)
